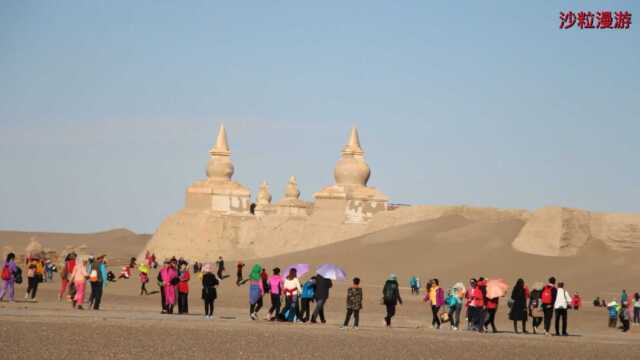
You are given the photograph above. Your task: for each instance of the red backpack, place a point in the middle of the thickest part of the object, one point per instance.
(6, 273)
(547, 295)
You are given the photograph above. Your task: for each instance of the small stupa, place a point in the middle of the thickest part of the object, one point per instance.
(350, 192)
(263, 201)
(290, 204)
(218, 192)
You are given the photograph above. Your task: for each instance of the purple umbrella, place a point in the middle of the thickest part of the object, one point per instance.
(331, 271)
(300, 268)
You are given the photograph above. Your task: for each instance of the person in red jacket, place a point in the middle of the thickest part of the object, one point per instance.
(65, 275)
(492, 307)
(476, 307)
(576, 302)
(183, 289)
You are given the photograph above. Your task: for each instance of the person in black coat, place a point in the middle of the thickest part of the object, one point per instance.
(209, 292)
(519, 308)
(321, 295)
(391, 297)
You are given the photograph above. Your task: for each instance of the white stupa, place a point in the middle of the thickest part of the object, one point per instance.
(350, 192)
(218, 192)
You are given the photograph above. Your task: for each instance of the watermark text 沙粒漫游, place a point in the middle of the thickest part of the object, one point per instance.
(620, 20)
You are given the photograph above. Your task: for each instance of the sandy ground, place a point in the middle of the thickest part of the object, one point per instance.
(451, 248)
(129, 325)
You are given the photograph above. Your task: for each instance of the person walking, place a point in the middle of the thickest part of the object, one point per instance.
(209, 292)
(308, 294)
(455, 302)
(35, 274)
(275, 291)
(256, 291)
(143, 275)
(239, 268)
(321, 296)
(98, 278)
(354, 304)
(221, 268)
(476, 307)
(391, 298)
(491, 305)
(183, 289)
(519, 310)
(535, 309)
(79, 277)
(292, 290)
(563, 299)
(9, 269)
(624, 316)
(170, 280)
(435, 296)
(636, 308)
(413, 284)
(612, 311)
(65, 275)
(548, 299)
(160, 284)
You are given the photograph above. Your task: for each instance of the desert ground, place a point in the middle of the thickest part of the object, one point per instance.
(451, 248)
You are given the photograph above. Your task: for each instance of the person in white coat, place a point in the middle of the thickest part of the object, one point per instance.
(563, 300)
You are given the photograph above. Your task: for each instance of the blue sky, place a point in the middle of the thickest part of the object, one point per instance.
(108, 109)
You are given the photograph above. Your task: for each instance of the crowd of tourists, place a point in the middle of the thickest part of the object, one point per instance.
(291, 298)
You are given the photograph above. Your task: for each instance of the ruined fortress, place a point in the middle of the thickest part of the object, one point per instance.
(219, 217)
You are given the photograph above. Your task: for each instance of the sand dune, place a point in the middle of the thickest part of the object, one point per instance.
(454, 248)
(451, 248)
(118, 243)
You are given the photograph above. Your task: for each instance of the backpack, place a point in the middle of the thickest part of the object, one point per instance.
(6, 273)
(390, 292)
(308, 290)
(547, 295)
(17, 275)
(613, 312)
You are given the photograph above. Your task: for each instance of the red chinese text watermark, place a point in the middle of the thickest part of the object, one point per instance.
(599, 20)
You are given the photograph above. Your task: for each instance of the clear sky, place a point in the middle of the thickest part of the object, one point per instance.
(108, 109)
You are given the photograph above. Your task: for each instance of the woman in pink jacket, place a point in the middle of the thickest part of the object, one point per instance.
(79, 277)
(170, 279)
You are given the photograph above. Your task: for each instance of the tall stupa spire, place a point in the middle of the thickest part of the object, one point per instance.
(220, 166)
(221, 147)
(353, 145)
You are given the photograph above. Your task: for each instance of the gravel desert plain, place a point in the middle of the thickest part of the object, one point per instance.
(131, 326)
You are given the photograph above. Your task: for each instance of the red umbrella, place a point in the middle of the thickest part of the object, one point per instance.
(496, 288)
